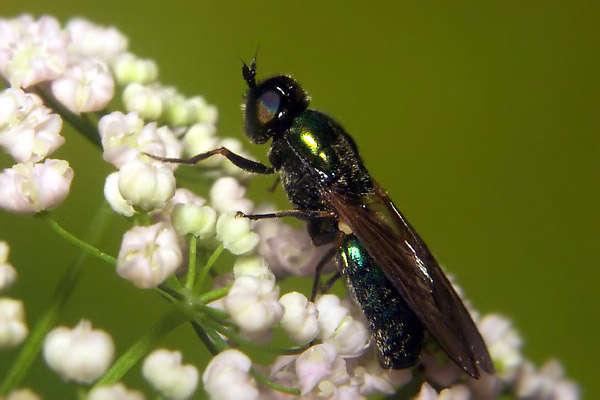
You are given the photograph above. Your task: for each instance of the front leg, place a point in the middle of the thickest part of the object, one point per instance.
(239, 161)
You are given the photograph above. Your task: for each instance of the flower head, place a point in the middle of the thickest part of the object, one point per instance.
(81, 354)
(163, 369)
(149, 255)
(129, 68)
(226, 377)
(30, 188)
(29, 131)
(252, 304)
(87, 85)
(299, 318)
(32, 51)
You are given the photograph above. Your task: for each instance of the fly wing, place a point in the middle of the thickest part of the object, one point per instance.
(412, 269)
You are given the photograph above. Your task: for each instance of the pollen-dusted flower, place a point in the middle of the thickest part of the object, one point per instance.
(30, 188)
(8, 275)
(124, 138)
(143, 100)
(87, 85)
(114, 197)
(81, 354)
(29, 131)
(149, 255)
(118, 391)
(226, 377)
(349, 335)
(91, 40)
(235, 233)
(227, 194)
(129, 68)
(12, 322)
(163, 369)
(299, 317)
(253, 304)
(199, 221)
(32, 51)
(147, 186)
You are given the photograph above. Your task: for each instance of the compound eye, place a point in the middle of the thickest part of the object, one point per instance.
(267, 106)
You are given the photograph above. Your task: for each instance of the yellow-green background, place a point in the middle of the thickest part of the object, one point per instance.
(480, 117)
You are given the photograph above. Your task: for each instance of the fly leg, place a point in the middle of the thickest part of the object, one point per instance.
(306, 215)
(239, 161)
(318, 269)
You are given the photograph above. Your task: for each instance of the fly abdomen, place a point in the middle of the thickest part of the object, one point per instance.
(396, 330)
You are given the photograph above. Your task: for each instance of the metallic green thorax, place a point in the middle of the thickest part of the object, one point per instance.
(310, 136)
(396, 329)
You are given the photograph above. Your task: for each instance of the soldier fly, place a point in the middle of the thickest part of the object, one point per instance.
(389, 270)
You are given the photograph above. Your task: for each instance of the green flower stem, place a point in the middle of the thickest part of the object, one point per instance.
(209, 264)
(257, 346)
(214, 294)
(191, 273)
(80, 243)
(172, 319)
(220, 315)
(263, 380)
(205, 338)
(63, 291)
(82, 125)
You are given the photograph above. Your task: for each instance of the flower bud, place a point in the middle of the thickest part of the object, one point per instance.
(149, 255)
(338, 327)
(164, 371)
(143, 100)
(117, 391)
(227, 194)
(252, 265)
(85, 86)
(80, 354)
(91, 40)
(226, 377)
(235, 234)
(504, 344)
(147, 186)
(252, 304)
(114, 197)
(30, 188)
(199, 221)
(129, 68)
(200, 138)
(12, 322)
(299, 318)
(8, 275)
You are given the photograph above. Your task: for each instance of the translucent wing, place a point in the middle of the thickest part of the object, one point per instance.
(412, 269)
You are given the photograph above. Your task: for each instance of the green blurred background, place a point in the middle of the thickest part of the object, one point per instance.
(480, 118)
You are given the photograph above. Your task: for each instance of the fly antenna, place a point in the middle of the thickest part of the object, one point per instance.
(249, 72)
